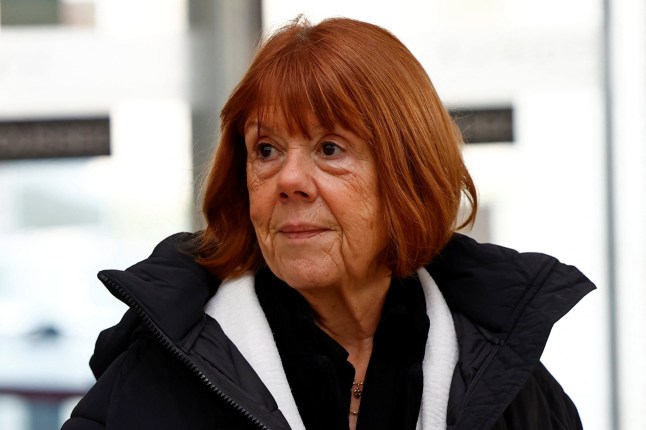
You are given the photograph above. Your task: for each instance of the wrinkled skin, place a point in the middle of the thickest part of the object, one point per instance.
(315, 206)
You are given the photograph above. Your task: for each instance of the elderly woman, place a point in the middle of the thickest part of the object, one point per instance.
(329, 289)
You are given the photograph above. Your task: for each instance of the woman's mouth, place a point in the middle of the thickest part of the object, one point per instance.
(301, 231)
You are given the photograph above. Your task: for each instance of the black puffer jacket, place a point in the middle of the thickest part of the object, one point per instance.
(168, 365)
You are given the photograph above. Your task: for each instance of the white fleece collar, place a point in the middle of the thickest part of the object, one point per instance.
(237, 309)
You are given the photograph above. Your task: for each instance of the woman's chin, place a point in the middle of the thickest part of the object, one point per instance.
(303, 276)
(309, 283)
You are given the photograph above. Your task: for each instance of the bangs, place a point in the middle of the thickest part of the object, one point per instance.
(303, 89)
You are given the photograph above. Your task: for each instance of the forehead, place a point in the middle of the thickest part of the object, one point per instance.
(276, 120)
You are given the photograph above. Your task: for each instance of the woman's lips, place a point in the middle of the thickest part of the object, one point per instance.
(301, 231)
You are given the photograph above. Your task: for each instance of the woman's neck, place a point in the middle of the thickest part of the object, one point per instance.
(350, 314)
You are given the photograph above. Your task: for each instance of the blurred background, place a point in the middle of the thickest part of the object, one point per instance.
(109, 112)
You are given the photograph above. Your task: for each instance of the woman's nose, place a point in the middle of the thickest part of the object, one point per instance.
(295, 181)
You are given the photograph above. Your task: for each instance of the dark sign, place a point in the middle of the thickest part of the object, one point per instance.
(86, 137)
(485, 125)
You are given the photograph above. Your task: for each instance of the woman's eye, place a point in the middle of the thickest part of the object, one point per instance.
(330, 149)
(265, 150)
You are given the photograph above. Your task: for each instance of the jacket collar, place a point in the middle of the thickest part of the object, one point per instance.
(492, 285)
(504, 304)
(169, 286)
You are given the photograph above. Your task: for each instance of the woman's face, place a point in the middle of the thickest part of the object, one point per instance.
(314, 204)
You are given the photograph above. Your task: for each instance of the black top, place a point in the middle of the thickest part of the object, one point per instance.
(320, 375)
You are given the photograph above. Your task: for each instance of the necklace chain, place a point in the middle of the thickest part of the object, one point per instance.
(357, 389)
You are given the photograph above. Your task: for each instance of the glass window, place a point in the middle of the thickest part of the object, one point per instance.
(74, 13)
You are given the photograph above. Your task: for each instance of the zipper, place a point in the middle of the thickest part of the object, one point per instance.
(175, 351)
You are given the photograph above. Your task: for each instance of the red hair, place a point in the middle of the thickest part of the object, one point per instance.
(361, 77)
